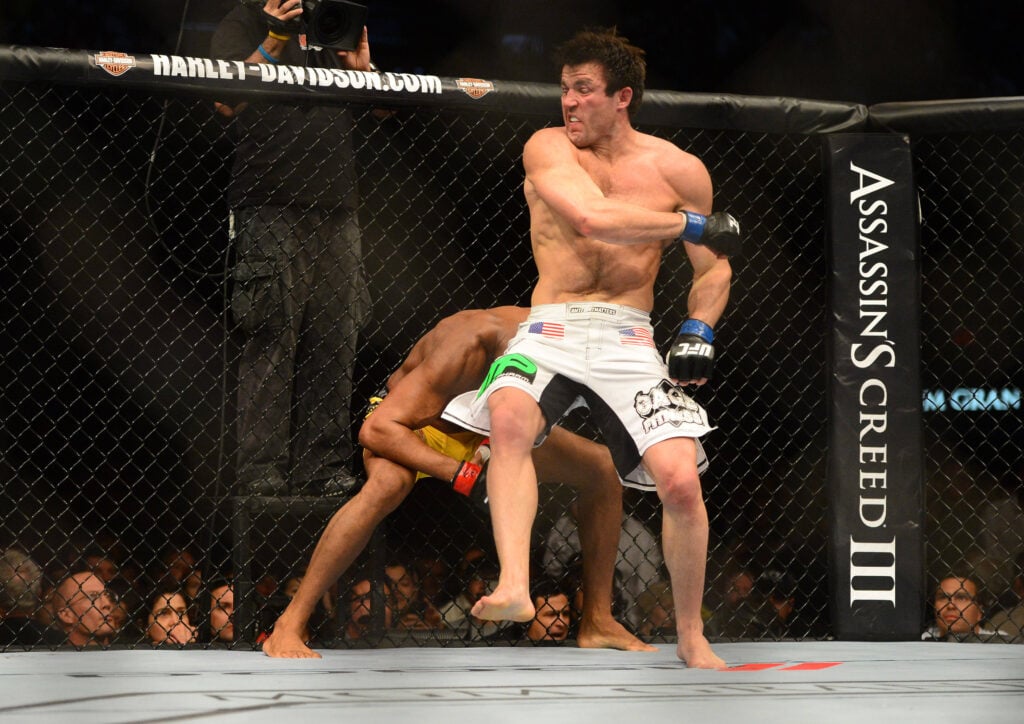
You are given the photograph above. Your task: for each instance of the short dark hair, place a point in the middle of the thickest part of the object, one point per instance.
(623, 63)
(546, 587)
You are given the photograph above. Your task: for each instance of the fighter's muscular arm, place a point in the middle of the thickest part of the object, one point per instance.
(415, 401)
(712, 274)
(554, 174)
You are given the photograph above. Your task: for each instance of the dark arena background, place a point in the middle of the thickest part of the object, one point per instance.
(867, 396)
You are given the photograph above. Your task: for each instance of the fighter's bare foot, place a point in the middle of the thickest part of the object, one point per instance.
(501, 607)
(697, 653)
(283, 644)
(609, 635)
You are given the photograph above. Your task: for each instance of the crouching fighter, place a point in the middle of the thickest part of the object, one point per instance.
(405, 433)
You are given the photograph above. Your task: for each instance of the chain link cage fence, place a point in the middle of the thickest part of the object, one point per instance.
(121, 357)
(972, 344)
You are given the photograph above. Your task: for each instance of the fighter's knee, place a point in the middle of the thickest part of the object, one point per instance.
(514, 426)
(369, 434)
(680, 490)
(386, 493)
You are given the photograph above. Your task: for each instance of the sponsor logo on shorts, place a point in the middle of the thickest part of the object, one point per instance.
(114, 63)
(666, 404)
(510, 365)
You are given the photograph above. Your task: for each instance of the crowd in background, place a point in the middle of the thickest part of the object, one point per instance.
(101, 596)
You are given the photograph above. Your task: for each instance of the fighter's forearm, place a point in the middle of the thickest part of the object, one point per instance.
(401, 445)
(709, 294)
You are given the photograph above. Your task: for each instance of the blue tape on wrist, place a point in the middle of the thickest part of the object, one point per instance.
(693, 229)
(268, 56)
(697, 327)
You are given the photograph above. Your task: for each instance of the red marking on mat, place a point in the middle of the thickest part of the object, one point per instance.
(753, 667)
(813, 666)
(806, 666)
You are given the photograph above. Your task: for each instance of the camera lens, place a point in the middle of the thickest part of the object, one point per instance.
(332, 23)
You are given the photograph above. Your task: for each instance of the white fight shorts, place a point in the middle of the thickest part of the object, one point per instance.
(599, 356)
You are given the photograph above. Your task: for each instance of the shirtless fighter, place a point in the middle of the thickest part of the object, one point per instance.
(605, 202)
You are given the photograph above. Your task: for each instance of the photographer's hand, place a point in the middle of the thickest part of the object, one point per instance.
(282, 16)
(358, 59)
(229, 111)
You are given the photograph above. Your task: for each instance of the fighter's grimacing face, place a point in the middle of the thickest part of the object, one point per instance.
(587, 109)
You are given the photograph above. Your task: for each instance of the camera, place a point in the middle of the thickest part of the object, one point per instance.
(334, 24)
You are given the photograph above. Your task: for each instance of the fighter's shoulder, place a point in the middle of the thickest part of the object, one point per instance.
(673, 156)
(547, 139)
(548, 134)
(683, 170)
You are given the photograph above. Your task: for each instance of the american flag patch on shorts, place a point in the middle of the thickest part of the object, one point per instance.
(636, 336)
(548, 329)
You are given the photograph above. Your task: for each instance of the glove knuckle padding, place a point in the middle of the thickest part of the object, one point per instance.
(691, 358)
(722, 234)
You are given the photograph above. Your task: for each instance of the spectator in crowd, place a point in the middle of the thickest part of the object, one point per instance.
(360, 619)
(300, 296)
(291, 586)
(432, 572)
(638, 563)
(1011, 619)
(656, 611)
(84, 610)
(327, 607)
(554, 613)
(167, 620)
(742, 612)
(21, 581)
(411, 609)
(128, 609)
(739, 584)
(222, 611)
(266, 586)
(101, 563)
(477, 574)
(784, 607)
(216, 622)
(178, 568)
(52, 575)
(959, 614)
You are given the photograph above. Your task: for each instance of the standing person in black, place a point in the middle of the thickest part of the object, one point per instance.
(300, 296)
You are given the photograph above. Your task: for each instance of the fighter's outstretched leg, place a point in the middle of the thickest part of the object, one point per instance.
(345, 537)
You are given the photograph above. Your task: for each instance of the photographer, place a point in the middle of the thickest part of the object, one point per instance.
(299, 293)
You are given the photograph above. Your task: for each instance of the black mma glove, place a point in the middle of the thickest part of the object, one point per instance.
(692, 356)
(719, 232)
